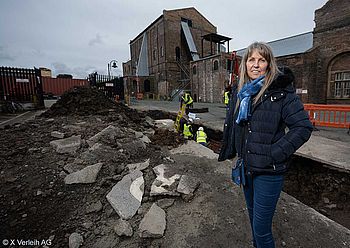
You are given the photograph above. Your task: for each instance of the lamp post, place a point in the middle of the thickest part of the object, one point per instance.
(111, 64)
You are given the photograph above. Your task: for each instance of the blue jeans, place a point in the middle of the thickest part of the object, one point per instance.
(261, 194)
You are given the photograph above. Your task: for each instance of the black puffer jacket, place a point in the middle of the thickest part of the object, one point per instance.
(262, 141)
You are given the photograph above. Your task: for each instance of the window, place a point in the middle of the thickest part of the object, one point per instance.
(337, 89)
(216, 65)
(194, 70)
(161, 51)
(346, 92)
(189, 22)
(342, 85)
(346, 75)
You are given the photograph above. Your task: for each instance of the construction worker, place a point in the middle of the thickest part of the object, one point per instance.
(227, 95)
(201, 137)
(187, 131)
(187, 100)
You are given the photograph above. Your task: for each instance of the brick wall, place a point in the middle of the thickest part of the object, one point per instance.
(331, 47)
(331, 38)
(208, 84)
(164, 36)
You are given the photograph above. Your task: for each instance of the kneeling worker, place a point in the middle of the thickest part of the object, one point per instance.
(187, 132)
(201, 136)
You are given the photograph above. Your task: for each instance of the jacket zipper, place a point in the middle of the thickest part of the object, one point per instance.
(246, 150)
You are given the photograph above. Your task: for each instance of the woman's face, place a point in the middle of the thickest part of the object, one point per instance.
(256, 65)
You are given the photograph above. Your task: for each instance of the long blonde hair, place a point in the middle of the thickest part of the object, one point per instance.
(272, 70)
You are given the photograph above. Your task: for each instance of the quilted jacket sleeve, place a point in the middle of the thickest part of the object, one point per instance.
(299, 125)
(228, 149)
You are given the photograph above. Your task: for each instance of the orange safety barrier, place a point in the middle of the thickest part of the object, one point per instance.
(329, 115)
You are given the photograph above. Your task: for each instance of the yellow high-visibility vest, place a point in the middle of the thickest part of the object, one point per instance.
(187, 132)
(187, 99)
(201, 137)
(226, 97)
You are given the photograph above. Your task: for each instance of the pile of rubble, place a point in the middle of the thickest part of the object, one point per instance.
(89, 171)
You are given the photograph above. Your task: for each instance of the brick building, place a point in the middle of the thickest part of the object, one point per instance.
(209, 77)
(320, 59)
(161, 54)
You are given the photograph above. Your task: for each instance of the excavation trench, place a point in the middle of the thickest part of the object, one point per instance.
(317, 185)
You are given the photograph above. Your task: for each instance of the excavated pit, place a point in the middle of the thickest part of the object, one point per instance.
(317, 185)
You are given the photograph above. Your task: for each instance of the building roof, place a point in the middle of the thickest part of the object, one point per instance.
(217, 38)
(290, 45)
(161, 16)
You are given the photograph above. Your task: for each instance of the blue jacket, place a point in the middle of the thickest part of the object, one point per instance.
(262, 141)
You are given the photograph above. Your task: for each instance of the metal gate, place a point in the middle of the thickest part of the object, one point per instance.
(112, 87)
(21, 85)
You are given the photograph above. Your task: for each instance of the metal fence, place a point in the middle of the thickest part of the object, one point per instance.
(112, 87)
(21, 85)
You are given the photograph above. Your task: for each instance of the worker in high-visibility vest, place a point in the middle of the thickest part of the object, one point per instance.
(226, 97)
(187, 132)
(187, 100)
(201, 137)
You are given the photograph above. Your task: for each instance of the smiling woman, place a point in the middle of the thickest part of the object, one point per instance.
(256, 65)
(260, 109)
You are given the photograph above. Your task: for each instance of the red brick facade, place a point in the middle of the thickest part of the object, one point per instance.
(166, 45)
(324, 71)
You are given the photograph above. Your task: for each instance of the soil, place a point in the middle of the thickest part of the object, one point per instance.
(35, 203)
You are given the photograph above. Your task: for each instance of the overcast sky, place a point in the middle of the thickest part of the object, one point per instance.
(79, 37)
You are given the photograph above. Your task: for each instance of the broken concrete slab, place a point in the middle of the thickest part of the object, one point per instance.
(86, 175)
(165, 123)
(126, 196)
(165, 203)
(123, 228)
(193, 148)
(149, 121)
(107, 134)
(139, 166)
(145, 139)
(164, 184)
(57, 135)
(73, 167)
(133, 146)
(68, 145)
(138, 135)
(188, 184)
(153, 223)
(75, 240)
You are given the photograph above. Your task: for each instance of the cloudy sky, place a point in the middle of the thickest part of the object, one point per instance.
(82, 36)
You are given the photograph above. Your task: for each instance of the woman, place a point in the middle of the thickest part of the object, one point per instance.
(260, 109)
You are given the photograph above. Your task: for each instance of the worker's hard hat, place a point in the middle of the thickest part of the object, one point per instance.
(200, 129)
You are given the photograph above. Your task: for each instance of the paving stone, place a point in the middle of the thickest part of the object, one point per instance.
(86, 175)
(126, 196)
(153, 223)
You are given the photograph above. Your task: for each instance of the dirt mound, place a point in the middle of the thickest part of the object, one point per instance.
(82, 101)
